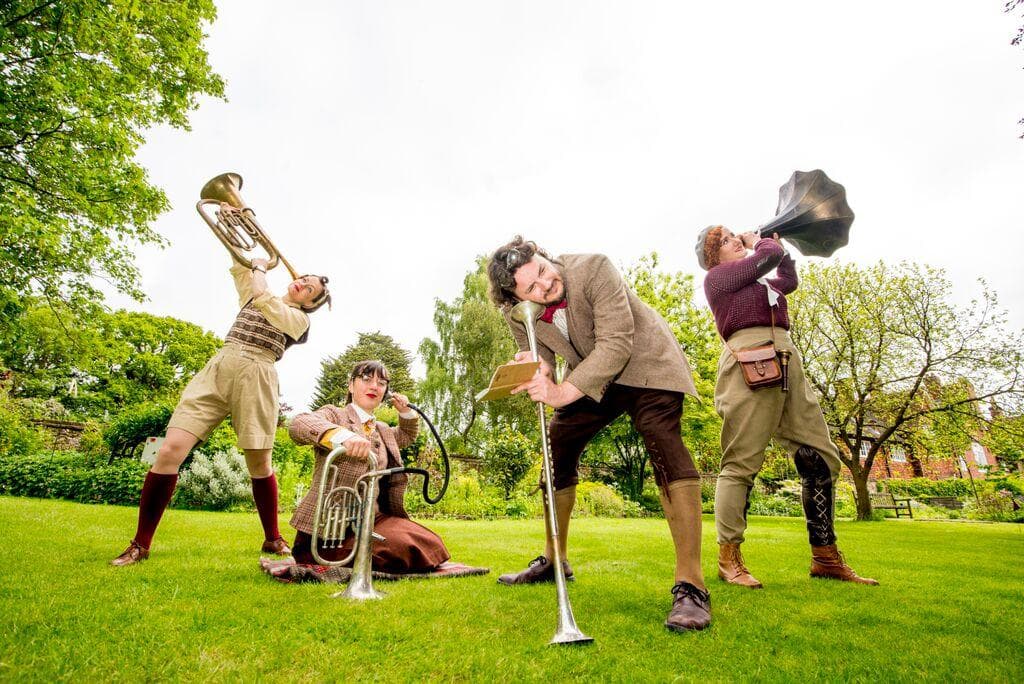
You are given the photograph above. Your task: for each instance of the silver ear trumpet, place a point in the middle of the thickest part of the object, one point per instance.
(568, 633)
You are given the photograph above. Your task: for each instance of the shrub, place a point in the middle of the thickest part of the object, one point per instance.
(507, 457)
(600, 500)
(465, 498)
(134, 424)
(18, 437)
(72, 476)
(216, 482)
(222, 439)
(922, 486)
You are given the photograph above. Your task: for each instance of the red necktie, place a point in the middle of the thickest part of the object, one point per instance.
(549, 313)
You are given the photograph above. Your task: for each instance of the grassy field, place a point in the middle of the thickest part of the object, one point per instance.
(949, 608)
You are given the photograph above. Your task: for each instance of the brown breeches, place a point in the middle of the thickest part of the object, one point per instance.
(655, 415)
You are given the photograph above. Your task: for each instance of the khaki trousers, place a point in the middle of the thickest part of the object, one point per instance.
(751, 418)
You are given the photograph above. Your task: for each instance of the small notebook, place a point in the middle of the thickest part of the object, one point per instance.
(506, 378)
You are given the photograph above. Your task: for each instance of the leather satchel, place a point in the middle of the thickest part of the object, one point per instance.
(760, 366)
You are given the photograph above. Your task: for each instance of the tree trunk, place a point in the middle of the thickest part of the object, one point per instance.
(860, 490)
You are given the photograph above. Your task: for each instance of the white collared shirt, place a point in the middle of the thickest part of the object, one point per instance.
(344, 434)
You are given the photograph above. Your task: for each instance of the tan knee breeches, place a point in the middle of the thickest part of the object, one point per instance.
(751, 418)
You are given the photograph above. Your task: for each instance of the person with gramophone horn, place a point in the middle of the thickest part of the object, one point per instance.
(772, 399)
(241, 381)
(622, 358)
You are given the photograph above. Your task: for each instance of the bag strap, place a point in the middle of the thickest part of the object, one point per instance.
(771, 311)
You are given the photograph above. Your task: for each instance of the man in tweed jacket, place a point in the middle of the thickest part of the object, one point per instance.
(622, 358)
(408, 546)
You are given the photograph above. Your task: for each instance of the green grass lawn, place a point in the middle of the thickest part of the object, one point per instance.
(949, 607)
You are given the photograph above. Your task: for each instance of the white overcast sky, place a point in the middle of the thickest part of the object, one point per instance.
(389, 143)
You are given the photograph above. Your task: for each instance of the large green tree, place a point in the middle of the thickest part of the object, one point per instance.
(332, 385)
(473, 340)
(96, 364)
(887, 352)
(82, 81)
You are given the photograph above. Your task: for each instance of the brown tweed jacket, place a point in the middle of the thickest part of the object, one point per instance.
(309, 428)
(613, 335)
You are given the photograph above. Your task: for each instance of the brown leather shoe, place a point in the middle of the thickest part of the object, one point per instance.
(691, 608)
(277, 546)
(539, 570)
(731, 568)
(132, 555)
(828, 562)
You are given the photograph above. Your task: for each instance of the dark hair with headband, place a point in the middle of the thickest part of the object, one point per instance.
(324, 298)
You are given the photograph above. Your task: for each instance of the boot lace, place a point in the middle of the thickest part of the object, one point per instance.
(683, 590)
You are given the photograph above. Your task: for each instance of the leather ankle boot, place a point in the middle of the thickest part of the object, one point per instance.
(828, 562)
(731, 568)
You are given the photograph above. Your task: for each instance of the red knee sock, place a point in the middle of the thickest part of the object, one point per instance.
(264, 492)
(157, 491)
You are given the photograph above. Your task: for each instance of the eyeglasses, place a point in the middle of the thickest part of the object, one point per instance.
(369, 379)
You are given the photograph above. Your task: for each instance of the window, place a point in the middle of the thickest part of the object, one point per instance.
(979, 454)
(898, 455)
(865, 448)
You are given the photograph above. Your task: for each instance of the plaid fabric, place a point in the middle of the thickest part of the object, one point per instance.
(251, 328)
(308, 428)
(290, 572)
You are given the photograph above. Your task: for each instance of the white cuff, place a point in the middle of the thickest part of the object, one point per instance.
(341, 436)
(408, 415)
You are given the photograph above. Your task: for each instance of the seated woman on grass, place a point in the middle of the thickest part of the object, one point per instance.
(408, 547)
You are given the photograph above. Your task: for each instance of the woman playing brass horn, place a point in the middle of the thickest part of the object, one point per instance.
(241, 381)
(750, 309)
(407, 546)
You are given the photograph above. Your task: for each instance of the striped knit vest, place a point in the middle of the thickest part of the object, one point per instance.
(252, 329)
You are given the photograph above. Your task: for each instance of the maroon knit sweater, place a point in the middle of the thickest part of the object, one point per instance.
(738, 301)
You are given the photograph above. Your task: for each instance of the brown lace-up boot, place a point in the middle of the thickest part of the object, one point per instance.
(731, 568)
(828, 562)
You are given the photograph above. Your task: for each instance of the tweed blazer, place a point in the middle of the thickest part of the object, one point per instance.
(309, 428)
(614, 336)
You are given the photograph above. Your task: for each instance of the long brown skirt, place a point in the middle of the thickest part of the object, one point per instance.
(407, 547)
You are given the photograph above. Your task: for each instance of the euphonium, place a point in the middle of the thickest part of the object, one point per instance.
(234, 223)
(340, 508)
(526, 312)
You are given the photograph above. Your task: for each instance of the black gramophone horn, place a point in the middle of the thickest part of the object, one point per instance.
(813, 214)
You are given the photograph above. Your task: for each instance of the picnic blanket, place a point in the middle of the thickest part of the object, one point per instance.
(288, 571)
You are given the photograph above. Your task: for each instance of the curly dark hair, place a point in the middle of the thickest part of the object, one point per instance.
(501, 269)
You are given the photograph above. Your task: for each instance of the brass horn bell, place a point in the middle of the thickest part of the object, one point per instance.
(234, 223)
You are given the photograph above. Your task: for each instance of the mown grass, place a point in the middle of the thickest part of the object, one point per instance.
(949, 608)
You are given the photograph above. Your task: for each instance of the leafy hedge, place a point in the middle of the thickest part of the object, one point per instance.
(72, 476)
(922, 486)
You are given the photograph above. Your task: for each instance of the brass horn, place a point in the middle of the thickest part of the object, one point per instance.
(526, 312)
(234, 223)
(812, 214)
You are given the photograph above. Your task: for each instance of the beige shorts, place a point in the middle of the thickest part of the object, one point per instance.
(238, 382)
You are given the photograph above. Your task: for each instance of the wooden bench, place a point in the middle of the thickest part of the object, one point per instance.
(886, 500)
(950, 502)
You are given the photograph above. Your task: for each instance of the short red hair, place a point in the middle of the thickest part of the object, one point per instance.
(713, 246)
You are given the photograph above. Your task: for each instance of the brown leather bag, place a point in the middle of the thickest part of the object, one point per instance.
(760, 366)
